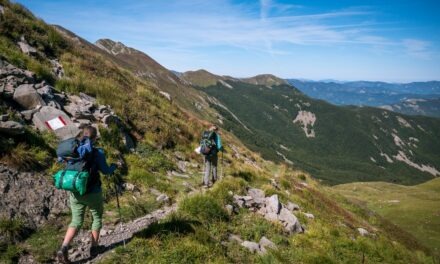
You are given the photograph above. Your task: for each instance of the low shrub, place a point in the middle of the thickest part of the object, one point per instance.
(204, 208)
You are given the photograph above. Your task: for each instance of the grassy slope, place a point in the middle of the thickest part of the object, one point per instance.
(344, 139)
(198, 232)
(414, 208)
(163, 130)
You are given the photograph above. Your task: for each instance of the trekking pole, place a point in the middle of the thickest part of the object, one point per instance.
(119, 206)
(221, 168)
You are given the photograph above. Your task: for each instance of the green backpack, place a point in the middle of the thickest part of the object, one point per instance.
(69, 180)
(75, 177)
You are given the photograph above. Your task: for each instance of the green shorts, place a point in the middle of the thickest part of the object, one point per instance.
(78, 205)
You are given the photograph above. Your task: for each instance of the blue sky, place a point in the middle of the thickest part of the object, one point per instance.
(391, 40)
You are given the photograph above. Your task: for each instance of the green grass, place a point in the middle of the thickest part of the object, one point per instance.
(44, 243)
(415, 209)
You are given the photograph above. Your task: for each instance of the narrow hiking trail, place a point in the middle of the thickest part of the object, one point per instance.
(122, 233)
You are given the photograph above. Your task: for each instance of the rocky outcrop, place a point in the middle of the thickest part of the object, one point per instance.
(40, 103)
(271, 209)
(26, 48)
(34, 207)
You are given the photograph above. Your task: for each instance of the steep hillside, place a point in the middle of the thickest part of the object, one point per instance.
(162, 79)
(336, 144)
(414, 208)
(289, 217)
(426, 107)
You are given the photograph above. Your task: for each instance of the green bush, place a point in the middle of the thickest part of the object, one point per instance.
(12, 229)
(203, 207)
(27, 158)
(245, 175)
(9, 253)
(44, 243)
(150, 159)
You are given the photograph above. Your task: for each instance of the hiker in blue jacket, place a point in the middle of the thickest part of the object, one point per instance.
(211, 159)
(93, 197)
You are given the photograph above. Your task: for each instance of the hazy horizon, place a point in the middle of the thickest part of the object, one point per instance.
(396, 41)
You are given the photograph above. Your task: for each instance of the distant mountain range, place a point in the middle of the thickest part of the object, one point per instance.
(365, 93)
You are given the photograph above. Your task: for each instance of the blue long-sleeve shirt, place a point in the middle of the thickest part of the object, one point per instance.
(86, 146)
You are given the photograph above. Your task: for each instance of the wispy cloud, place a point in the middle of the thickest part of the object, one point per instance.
(266, 27)
(417, 48)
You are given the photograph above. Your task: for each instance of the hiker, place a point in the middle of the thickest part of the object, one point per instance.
(211, 144)
(95, 162)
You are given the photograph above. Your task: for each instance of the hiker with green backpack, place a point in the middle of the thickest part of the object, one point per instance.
(81, 177)
(210, 145)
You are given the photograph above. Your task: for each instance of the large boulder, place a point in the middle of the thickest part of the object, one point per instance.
(27, 97)
(11, 128)
(30, 197)
(47, 113)
(289, 221)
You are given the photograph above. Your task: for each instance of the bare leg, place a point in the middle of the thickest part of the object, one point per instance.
(70, 234)
(95, 237)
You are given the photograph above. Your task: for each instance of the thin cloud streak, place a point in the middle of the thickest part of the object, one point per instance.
(265, 33)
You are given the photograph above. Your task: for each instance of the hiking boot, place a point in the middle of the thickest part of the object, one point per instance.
(95, 250)
(63, 255)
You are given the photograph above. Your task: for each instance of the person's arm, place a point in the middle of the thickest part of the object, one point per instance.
(102, 163)
(218, 143)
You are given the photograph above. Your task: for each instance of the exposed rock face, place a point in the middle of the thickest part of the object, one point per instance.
(27, 97)
(271, 209)
(11, 128)
(307, 120)
(34, 207)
